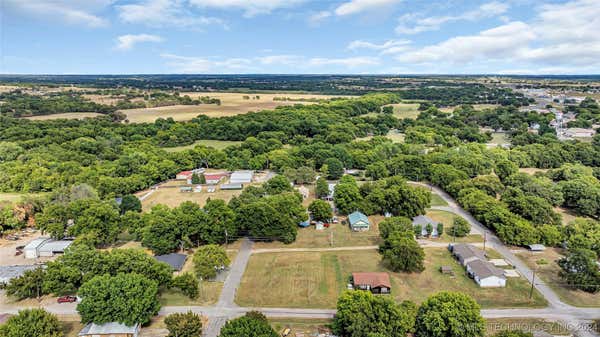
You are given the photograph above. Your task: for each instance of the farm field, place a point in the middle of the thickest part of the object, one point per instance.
(217, 144)
(66, 115)
(231, 104)
(315, 279)
(547, 269)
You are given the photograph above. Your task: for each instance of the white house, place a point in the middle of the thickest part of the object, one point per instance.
(485, 274)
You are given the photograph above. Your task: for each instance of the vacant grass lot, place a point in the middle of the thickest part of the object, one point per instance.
(217, 144)
(547, 270)
(436, 200)
(315, 279)
(169, 194)
(406, 110)
(209, 294)
(231, 104)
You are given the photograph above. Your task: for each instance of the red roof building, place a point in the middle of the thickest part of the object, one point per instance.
(377, 283)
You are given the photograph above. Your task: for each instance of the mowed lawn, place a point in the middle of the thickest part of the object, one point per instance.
(315, 280)
(217, 144)
(447, 218)
(547, 269)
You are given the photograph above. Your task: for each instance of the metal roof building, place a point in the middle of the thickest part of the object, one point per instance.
(110, 329)
(7, 273)
(176, 261)
(241, 177)
(45, 246)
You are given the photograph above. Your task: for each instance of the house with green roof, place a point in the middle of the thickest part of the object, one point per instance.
(358, 222)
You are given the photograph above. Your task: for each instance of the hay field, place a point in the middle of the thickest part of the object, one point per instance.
(315, 279)
(231, 104)
(169, 194)
(66, 115)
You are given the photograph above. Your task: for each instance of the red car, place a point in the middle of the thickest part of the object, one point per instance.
(67, 299)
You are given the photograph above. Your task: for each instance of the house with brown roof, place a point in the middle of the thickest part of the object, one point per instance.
(377, 283)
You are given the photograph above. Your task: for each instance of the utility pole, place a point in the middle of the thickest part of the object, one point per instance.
(532, 283)
(484, 240)
(226, 238)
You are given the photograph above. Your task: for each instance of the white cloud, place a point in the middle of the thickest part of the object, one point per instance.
(560, 38)
(412, 24)
(316, 18)
(162, 13)
(127, 42)
(280, 59)
(68, 11)
(388, 47)
(187, 64)
(350, 62)
(250, 7)
(359, 6)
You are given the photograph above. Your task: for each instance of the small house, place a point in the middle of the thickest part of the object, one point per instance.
(112, 329)
(466, 253)
(377, 283)
(45, 247)
(176, 261)
(485, 274)
(214, 178)
(423, 221)
(359, 222)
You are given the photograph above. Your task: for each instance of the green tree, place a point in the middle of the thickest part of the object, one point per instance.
(28, 285)
(125, 298)
(335, 168)
(208, 259)
(320, 210)
(401, 252)
(278, 184)
(395, 224)
(347, 195)
(249, 325)
(505, 168)
(579, 269)
(161, 231)
(32, 322)
(130, 203)
(184, 325)
(460, 227)
(187, 283)
(322, 188)
(360, 313)
(449, 314)
(377, 171)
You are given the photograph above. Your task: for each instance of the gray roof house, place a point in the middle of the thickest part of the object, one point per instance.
(423, 221)
(485, 274)
(466, 253)
(8, 273)
(241, 177)
(112, 329)
(176, 261)
(358, 221)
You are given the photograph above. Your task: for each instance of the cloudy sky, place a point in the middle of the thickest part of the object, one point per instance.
(300, 36)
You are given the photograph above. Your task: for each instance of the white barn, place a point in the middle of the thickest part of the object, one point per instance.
(241, 177)
(45, 247)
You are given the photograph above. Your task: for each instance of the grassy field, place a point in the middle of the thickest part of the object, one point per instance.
(66, 115)
(395, 136)
(70, 325)
(209, 294)
(406, 110)
(300, 326)
(169, 194)
(499, 138)
(532, 170)
(217, 144)
(231, 104)
(315, 279)
(436, 200)
(547, 270)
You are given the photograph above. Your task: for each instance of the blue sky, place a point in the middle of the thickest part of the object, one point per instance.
(300, 36)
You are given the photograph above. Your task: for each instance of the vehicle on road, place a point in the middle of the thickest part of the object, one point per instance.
(66, 299)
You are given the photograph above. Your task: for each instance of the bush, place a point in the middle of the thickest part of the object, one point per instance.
(32, 322)
(460, 227)
(187, 283)
(184, 325)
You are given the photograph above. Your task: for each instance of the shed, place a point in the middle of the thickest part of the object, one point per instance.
(466, 253)
(46, 247)
(423, 221)
(485, 274)
(112, 329)
(214, 178)
(232, 186)
(241, 177)
(176, 261)
(358, 221)
(8, 273)
(537, 247)
(446, 270)
(377, 283)
(185, 189)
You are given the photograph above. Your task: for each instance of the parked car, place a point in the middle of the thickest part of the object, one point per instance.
(67, 299)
